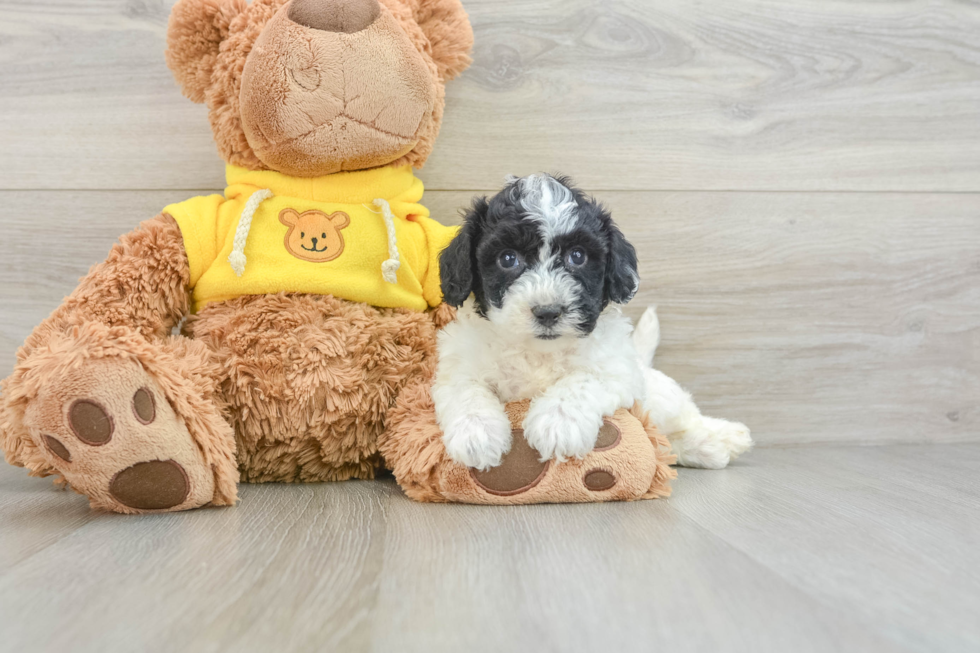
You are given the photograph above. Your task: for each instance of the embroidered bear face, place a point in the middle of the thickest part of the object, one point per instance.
(313, 235)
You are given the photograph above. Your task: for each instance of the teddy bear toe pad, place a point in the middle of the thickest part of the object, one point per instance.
(109, 430)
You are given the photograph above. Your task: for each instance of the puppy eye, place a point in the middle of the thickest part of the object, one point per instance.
(576, 258)
(508, 260)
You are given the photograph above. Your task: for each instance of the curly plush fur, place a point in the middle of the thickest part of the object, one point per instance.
(309, 379)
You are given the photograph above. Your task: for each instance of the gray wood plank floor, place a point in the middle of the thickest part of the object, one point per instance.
(798, 549)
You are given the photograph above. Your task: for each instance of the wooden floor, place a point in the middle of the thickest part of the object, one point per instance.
(802, 181)
(800, 549)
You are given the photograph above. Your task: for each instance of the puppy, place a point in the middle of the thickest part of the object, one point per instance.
(539, 273)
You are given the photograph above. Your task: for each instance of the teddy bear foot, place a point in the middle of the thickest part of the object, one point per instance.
(631, 460)
(627, 463)
(108, 428)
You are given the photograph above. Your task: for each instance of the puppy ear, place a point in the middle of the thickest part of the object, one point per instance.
(447, 27)
(457, 263)
(194, 36)
(622, 276)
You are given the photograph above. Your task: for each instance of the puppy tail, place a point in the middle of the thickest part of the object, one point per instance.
(646, 336)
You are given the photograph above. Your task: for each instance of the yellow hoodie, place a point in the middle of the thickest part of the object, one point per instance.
(361, 236)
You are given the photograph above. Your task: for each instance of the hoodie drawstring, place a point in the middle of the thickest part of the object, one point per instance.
(389, 269)
(237, 256)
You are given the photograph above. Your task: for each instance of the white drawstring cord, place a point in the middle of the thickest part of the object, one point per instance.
(389, 269)
(237, 256)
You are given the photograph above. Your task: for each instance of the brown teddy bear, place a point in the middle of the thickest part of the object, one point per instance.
(307, 296)
(297, 344)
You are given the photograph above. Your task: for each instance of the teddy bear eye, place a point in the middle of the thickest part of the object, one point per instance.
(302, 234)
(323, 235)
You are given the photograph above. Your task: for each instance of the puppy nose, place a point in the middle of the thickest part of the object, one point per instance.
(347, 16)
(547, 315)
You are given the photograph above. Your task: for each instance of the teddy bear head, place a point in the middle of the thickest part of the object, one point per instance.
(313, 87)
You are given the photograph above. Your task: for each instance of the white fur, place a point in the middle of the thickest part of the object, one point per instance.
(696, 440)
(573, 383)
(550, 204)
(539, 286)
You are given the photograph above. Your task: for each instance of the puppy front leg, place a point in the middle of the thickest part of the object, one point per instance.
(564, 422)
(475, 428)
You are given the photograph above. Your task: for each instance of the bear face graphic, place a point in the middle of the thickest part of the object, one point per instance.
(313, 235)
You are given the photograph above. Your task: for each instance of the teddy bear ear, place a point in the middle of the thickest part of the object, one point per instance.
(446, 25)
(339, 219)
(194, 35)
(289, 217)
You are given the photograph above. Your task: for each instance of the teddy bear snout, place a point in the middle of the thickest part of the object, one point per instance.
(347, 16)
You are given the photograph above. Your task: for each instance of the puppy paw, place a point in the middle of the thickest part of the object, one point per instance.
(560, 430)
(478, 440)
(734, 436)
(712, 444)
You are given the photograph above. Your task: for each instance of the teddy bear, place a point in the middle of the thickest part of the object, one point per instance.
(285, 331)
(261, 335)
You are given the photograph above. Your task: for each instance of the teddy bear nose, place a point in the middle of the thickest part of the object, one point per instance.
(347, 16)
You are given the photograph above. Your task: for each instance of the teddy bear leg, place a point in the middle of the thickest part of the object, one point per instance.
(631, 460)
(127, 423)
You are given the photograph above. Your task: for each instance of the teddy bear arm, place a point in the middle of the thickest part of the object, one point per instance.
(104, 397)
(141, 287)
(143, 284)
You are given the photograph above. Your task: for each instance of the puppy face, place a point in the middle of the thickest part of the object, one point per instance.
(540, 258)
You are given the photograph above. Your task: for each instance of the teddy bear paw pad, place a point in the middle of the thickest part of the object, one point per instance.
(111, 432)
(519, 471)
(154, 485)
(609, 437)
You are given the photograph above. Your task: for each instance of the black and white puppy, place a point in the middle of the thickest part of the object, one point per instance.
(540, 271)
